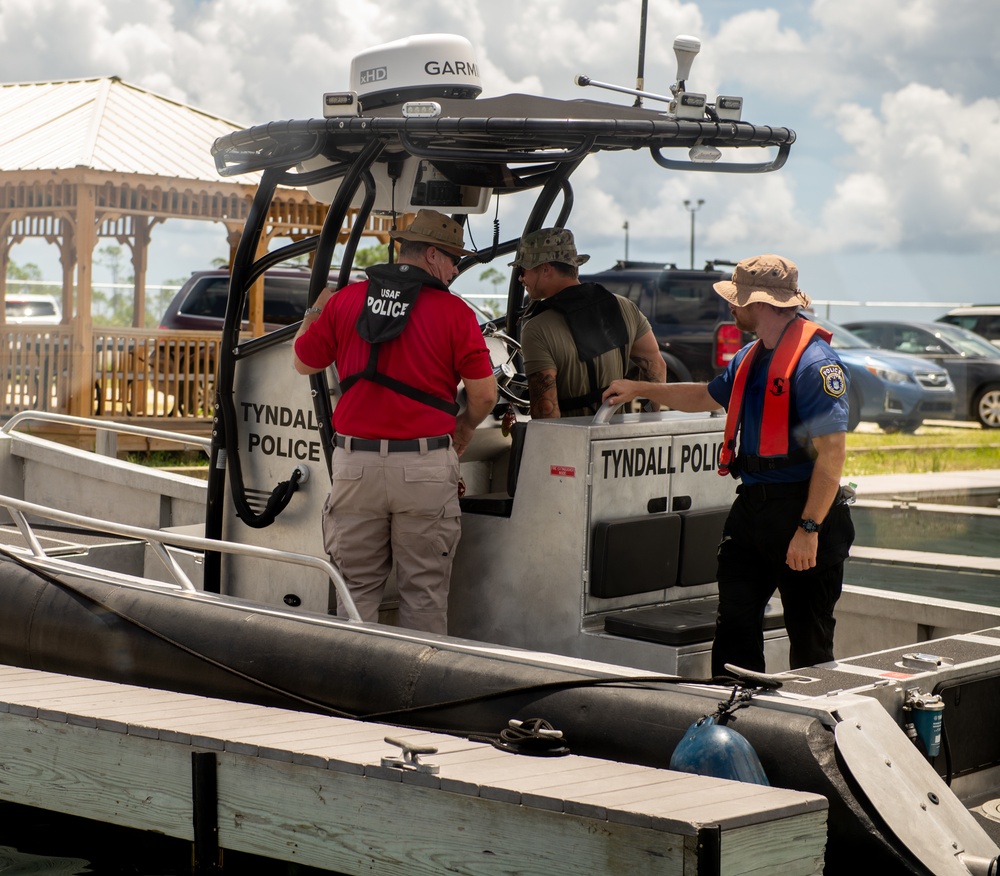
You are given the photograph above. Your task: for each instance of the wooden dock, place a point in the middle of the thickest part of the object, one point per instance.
(313, 789)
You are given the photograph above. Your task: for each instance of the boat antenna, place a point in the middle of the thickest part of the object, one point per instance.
(640, 81)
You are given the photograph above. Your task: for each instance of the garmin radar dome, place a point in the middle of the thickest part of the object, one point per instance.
(419, 67)
(407, 78)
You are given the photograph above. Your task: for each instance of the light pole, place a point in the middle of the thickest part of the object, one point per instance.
(625, 226)
(692, 210)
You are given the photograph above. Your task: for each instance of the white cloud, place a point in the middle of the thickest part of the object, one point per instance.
(925, 173)
(894, 102)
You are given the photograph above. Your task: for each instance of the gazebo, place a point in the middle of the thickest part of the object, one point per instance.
(98, 158)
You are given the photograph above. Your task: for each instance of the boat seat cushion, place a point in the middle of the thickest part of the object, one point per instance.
(699, 548)
(635, 555)
(687, 622)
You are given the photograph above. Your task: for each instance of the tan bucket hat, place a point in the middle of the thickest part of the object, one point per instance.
(547, 245)
(429, 226)
(768, 278)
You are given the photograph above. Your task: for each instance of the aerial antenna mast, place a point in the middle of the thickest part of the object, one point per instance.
(640, 79)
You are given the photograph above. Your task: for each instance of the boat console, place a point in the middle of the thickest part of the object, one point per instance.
(591, 537)
(606, 545)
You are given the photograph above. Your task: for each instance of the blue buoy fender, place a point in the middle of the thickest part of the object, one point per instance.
(709, 749)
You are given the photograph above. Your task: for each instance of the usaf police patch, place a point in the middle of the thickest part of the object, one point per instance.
(833, 380)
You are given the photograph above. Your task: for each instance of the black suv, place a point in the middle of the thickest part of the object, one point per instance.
(187, 367)
(691, 321)
(200, 304)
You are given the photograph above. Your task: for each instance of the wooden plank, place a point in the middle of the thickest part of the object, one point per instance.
(379, 831)
(739, 806)
(503, 780)
(350, 824)
(109, 777)
(787, 846)
(369, 746)
(270, 727)
(206, 719)
(575, 815)
(28, 690)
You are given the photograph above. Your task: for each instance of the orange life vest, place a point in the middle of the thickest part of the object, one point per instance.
(777, 402)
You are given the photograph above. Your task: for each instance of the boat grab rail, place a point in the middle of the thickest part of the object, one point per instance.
(20, 507)
(604, 413)
(106, 425)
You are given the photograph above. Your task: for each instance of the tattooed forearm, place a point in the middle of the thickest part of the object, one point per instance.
(645, 353)
(646, 371)
(543, 395)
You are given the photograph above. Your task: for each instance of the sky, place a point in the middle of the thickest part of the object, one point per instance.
(890, 194)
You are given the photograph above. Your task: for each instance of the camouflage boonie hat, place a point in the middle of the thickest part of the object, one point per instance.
(547, 245)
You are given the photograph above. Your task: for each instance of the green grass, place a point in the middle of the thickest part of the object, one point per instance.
(933, 448)
(168, 458)
(869, 451)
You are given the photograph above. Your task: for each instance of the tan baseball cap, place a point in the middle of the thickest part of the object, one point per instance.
(429, 226)
(547, 245)
(768, 278)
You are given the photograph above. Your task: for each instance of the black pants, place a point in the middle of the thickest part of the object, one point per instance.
(752, 566)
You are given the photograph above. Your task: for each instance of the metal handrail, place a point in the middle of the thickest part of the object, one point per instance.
(108, 426)
(19, 507)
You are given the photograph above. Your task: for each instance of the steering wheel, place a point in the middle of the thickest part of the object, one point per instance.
(505, 354)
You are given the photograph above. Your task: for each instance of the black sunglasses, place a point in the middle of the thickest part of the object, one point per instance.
(455, 259)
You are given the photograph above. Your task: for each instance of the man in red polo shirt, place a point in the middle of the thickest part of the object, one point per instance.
(401, 343)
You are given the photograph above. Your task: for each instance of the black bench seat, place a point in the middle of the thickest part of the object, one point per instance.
(686, 622)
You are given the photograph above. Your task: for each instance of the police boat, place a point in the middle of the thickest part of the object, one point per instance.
(583, 591)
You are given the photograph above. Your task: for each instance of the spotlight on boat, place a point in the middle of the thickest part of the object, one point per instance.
(704, 154)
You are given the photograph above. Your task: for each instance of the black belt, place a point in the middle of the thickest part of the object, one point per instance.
(788, 490)
(411, 445)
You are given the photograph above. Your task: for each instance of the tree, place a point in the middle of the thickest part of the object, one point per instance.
(492, 275)
(371, 255)
(116, 308)
(157, 301)
(27, 271)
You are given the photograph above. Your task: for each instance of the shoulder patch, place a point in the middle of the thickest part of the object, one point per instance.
(833, 380)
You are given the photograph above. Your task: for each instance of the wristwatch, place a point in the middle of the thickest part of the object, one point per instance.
(809, 525)
(316, 310)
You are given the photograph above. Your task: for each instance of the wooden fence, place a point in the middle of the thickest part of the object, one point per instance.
(134, 373)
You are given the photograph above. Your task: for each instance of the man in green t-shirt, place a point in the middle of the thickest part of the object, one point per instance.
(576, 338)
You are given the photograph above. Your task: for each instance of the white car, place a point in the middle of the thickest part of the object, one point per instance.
(983, 319)
(33, 310)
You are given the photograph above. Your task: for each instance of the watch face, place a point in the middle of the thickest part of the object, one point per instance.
(809, 525)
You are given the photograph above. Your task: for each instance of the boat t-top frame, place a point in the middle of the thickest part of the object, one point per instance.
(397, 151)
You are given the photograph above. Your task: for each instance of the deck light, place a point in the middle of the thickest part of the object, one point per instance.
(689, 105)
(340, 103)
(421, 109)
(729, 109)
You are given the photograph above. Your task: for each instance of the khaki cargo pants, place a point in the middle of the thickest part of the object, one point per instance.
(401, 507)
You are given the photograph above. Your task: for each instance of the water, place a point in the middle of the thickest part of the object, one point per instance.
(33, 841)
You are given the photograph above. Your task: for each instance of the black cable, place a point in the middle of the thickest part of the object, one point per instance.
(373, 717)
(65, 585)
(568, 684)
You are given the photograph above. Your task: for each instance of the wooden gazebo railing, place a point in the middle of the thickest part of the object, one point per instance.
(135, 373)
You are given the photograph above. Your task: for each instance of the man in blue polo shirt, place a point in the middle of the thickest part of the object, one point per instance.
(786, 397)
